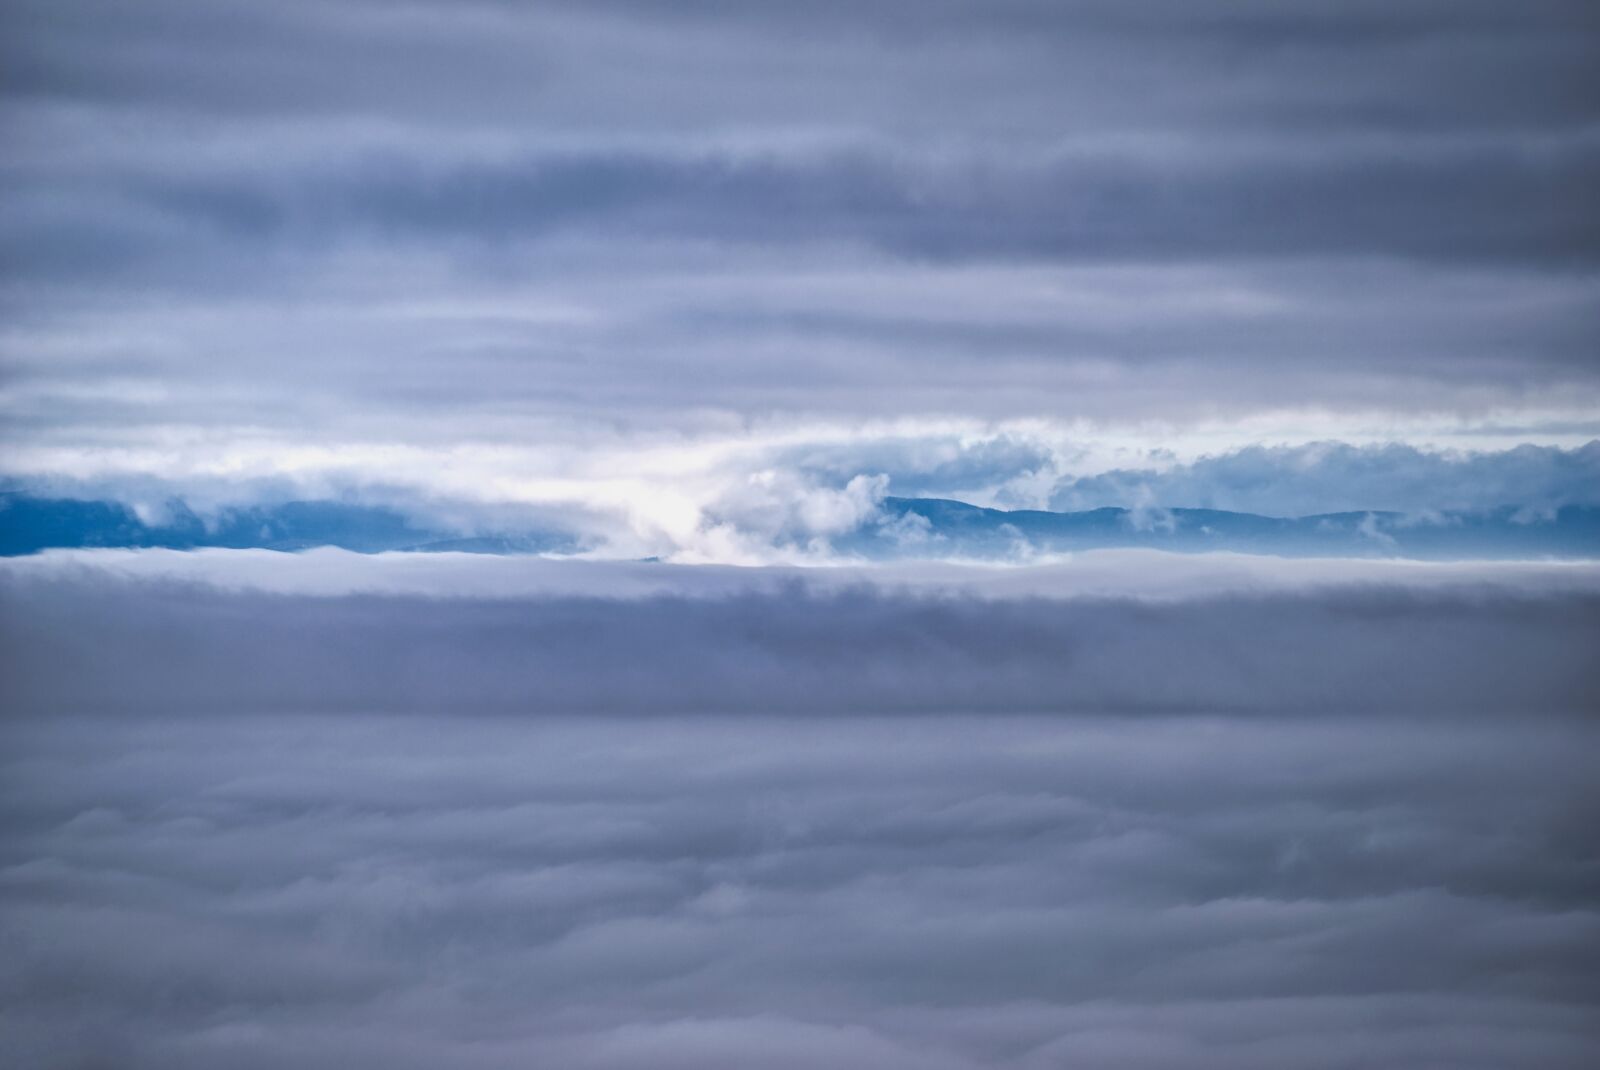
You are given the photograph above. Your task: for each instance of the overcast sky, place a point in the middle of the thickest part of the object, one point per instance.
(479, 250)
(697, 287)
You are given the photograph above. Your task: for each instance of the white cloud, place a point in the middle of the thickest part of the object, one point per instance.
(785, 489)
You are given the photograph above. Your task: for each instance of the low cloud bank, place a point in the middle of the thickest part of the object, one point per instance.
(87, 642)
(1128, 573)
(261, 810)
(322, 891)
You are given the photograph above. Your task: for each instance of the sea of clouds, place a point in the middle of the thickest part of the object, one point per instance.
(1127, 810)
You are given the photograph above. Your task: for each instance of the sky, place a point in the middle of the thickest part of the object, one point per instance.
(640, 271)
(625, 534)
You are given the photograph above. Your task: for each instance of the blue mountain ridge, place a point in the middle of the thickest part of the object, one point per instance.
(936, 527)
(29, 524)
(905, 528)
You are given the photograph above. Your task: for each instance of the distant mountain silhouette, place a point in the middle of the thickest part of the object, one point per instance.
(936, 527)
(29, 524)
(905, 528)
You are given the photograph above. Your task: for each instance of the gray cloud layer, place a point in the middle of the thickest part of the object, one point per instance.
(326, 217)
(1328, 814)
(255, 891)
(161, 647)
